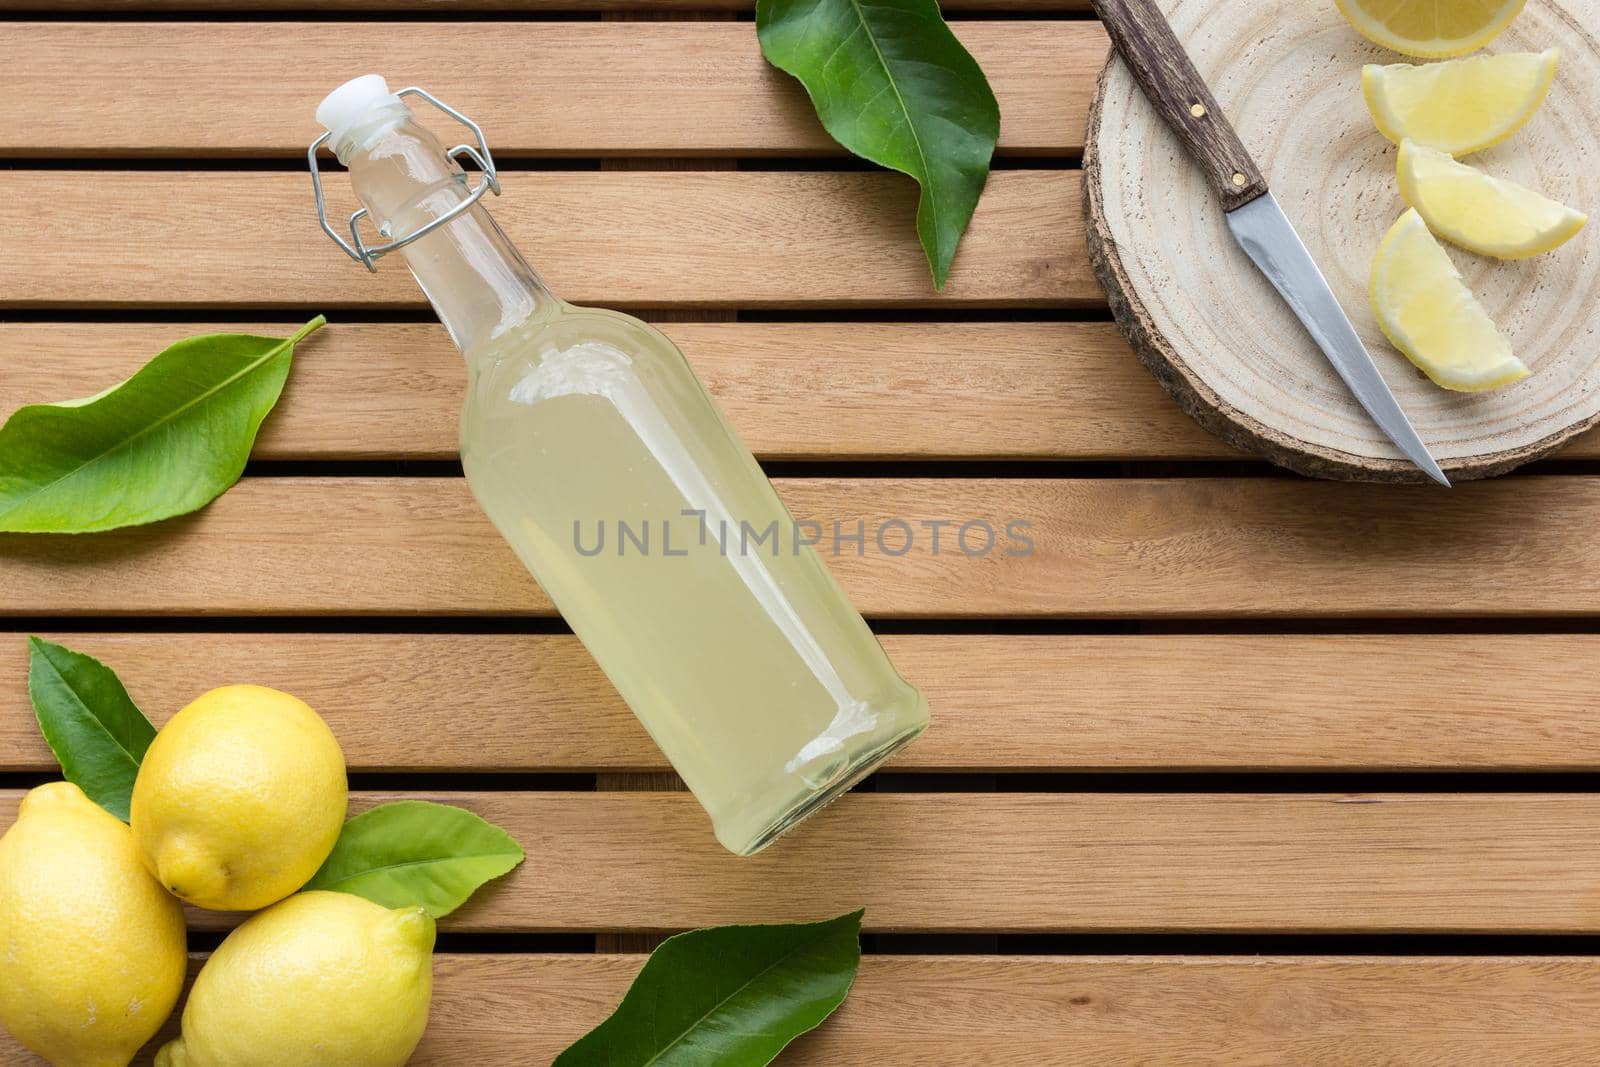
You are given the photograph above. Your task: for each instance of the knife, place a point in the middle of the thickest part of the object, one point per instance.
(1162, 68)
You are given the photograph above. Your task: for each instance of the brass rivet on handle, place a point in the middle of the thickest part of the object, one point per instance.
(1198, 111)
(1238, 179)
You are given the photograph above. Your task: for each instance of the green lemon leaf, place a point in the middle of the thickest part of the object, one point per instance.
(165, 442)
(97, 733)
(414, 852)
(891, 83)
(731, 995)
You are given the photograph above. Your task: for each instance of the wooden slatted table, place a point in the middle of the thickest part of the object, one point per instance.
(1233, 768)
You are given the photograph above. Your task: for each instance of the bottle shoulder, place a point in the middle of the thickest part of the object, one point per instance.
(576, 351)
(574, 332)
(615, 327)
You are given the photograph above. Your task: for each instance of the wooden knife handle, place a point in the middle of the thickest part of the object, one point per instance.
(1164, 71)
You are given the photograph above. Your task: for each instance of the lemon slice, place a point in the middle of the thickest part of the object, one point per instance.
(1490, 216)
(1428, 313)
(1431, 29)
(1460, 106)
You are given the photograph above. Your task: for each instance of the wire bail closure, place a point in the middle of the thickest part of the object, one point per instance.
(355, 248)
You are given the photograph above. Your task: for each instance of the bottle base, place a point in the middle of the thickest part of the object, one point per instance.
(815, 801)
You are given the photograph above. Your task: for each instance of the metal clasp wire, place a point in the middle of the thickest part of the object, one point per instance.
(355, 248)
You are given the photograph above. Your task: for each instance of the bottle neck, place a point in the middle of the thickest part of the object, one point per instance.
(478, 283)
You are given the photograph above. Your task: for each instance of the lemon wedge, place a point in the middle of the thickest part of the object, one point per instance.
(1430, 29)
(1482, 214)
(1428, 313)
(1461, 106)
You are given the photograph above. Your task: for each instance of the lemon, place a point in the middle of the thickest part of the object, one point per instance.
(318, 980)
(1429, 314)
(1461, 106)
(1431, 29)
(91, 948)
(1490, 216)
(239, 799)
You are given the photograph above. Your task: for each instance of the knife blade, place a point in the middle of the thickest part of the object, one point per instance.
(1146, 43)
(1269, 239)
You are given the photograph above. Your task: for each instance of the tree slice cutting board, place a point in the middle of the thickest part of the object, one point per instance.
(1211, 328)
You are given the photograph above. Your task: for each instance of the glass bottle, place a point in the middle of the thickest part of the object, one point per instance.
(597, 453)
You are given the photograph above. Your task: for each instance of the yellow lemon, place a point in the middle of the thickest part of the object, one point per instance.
(1429, 314)
(239, 799)
(1431, 29)
(1490, 216)
(319, 980)
(1461, 106)
(91, 948)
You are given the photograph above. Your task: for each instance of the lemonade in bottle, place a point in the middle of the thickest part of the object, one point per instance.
(599, 456)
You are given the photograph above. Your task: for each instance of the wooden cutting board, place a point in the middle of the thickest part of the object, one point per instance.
(1210, 327)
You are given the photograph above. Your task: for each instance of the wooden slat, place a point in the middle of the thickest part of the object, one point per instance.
(1048, 862)
(1010, 703)
(937, 1011)
(933, 1012)
(586, 88)
(794, 390)
(770, 238)
(512, 1010)
(1102, 548)
(509, 7)
(981, 390)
